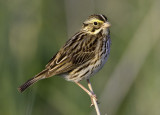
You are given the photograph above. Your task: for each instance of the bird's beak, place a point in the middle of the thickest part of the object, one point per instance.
(106, 25)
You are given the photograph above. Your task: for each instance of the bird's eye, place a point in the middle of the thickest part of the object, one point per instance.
(95, 23)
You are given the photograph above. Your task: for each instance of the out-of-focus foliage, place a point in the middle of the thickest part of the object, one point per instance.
(31, 31)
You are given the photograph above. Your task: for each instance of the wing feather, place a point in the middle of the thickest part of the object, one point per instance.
(69, 57)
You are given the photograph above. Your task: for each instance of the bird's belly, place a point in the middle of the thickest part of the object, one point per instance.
(99, 64)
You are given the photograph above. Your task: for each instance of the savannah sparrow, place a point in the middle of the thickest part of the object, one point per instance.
(82, 56)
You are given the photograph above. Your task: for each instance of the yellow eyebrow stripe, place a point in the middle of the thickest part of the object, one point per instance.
(95, 20)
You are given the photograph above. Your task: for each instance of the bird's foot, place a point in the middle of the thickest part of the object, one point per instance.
(93, 97)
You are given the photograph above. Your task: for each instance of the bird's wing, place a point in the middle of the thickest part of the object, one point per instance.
(76, 51)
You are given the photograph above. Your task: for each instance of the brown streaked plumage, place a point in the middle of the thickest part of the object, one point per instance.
(82, 56)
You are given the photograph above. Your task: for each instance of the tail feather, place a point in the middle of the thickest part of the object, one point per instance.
(33, 80)
(27, 84)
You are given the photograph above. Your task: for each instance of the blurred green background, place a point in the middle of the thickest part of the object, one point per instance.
(32, 31)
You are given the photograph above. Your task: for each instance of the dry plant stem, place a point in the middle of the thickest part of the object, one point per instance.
(86, 90)
(93, 99)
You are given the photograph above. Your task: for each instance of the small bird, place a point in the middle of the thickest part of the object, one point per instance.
(82, 56)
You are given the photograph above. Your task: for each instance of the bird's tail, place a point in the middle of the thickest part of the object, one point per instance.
(43, 74)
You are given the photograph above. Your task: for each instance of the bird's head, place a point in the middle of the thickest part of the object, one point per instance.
(95, 24)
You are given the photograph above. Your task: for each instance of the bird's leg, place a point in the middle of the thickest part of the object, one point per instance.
(90, 86)
(91, 89)
(87, 91)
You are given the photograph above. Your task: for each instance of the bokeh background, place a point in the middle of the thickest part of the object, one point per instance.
(32, 31)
